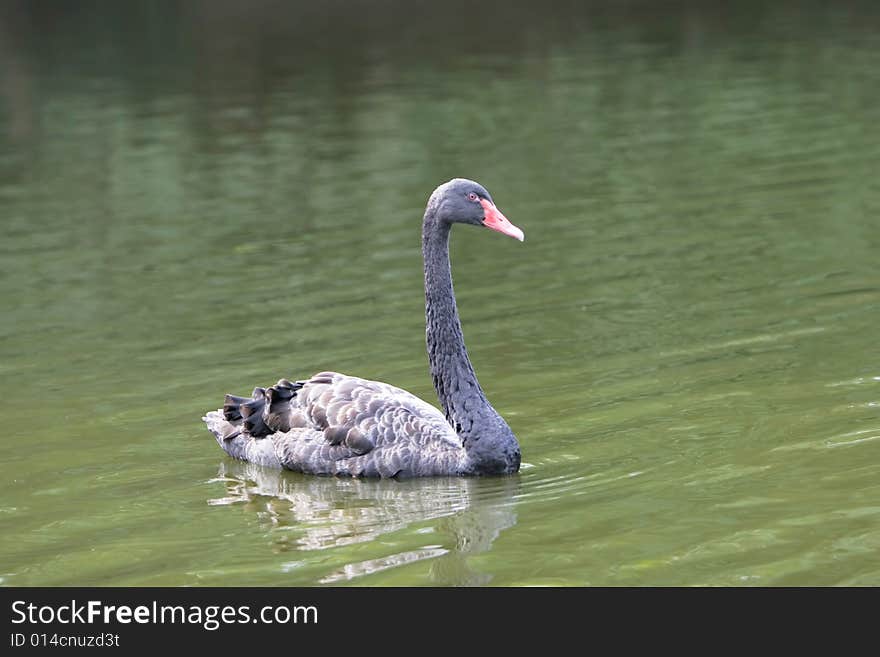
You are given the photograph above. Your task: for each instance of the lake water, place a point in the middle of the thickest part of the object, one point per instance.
(200, 198)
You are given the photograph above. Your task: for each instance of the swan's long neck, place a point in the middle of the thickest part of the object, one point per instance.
(456, 383)
(489, 443)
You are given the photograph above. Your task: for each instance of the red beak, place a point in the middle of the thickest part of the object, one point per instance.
(496, 221)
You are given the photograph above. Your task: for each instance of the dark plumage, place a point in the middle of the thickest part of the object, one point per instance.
(336, 424)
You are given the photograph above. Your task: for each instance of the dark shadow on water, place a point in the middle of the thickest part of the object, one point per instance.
(456, 517)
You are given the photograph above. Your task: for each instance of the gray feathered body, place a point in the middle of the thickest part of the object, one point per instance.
(333, 424)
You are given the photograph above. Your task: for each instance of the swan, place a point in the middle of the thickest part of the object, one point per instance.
(335, 424)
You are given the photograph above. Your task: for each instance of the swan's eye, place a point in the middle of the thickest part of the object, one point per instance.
(472, 197)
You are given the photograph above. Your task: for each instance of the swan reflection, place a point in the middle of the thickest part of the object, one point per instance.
(449, 518)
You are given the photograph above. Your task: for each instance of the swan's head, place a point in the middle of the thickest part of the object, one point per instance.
(464, 201)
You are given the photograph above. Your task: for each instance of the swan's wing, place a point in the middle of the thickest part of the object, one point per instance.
(382, 412)
(338, 424)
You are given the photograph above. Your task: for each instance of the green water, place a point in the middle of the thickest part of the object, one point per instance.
(196, 199)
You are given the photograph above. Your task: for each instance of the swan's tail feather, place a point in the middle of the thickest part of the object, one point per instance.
(271, 428)
(252, 414)
(231, 405)
(238, 444)
(243, 424)
(266, 411)
(221, 427)
(277, 413)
